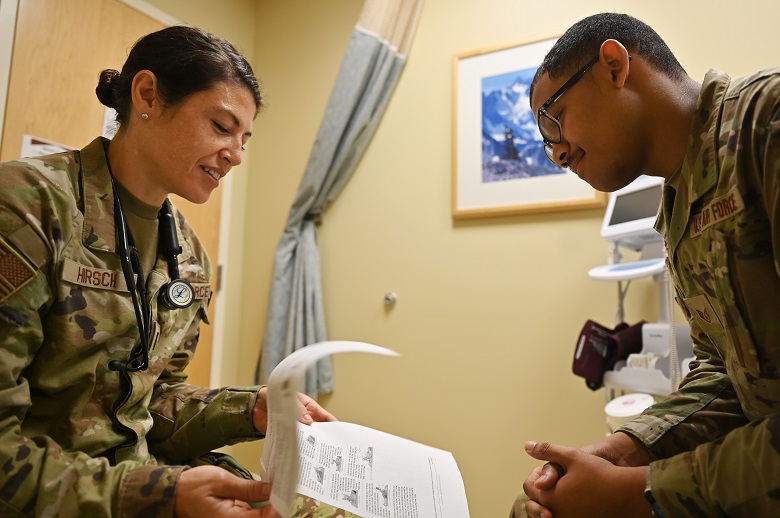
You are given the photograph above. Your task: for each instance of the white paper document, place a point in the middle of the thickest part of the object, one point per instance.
(367, 472)
(377, 475)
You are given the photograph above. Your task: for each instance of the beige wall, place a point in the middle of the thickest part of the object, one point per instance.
(488, 310)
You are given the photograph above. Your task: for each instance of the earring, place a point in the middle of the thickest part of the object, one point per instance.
(144, 116)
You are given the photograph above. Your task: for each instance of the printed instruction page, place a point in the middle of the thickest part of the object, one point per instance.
(378, 475)
(367, 472)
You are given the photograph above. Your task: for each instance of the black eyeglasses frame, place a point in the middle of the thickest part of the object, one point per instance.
(542, 114)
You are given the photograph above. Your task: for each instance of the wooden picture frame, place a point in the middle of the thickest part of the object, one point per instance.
(490, 176)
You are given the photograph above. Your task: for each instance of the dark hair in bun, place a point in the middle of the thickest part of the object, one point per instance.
(105, 88)
(185, 60)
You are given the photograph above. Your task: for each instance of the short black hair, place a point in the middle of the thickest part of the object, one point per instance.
(582, 41)
(185, 60)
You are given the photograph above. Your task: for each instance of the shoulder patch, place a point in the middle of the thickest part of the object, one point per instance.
(15, 271)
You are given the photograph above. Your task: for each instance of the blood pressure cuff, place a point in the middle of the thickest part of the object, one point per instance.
(599, 348)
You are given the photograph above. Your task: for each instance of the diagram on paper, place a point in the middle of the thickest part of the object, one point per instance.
(361, 474)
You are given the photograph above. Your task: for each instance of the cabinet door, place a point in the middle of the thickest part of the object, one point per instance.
(60, 47)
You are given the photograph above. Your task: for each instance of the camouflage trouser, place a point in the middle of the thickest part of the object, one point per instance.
(307, 507)
(518, 508)
(303, 507)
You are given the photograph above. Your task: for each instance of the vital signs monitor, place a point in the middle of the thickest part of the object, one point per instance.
(628, 222)
(631, 213)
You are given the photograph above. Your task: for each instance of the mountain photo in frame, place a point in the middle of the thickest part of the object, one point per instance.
(499, 167)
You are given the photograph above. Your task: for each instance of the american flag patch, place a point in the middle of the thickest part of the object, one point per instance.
(15, 272)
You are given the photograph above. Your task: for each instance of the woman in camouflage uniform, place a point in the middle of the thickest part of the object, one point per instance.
(96, 416)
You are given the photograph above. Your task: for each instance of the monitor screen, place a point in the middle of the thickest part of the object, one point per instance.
(631, 213)
(636, 205)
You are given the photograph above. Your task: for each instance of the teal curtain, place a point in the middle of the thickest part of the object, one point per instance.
(371, 67)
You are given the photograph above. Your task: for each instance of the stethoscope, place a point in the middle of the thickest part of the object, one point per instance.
(176, 294)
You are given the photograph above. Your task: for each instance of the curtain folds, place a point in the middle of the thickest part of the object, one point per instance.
(372, 64)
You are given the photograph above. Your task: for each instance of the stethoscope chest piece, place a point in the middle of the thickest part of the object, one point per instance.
(177, 294)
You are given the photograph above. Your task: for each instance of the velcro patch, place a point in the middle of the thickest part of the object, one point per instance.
(93, 277)
(717, 210)
(202, 290)
(15, 271)
(703, 311)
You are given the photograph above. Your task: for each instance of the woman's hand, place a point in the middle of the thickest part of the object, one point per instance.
(308, 411)
(212, 491)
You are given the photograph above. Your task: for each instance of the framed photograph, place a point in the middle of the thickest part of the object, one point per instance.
(499, 167)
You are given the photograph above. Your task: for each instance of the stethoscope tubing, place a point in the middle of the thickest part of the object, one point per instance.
(143, 312)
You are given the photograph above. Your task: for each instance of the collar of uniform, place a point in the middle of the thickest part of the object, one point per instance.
(701, 159)
(99, 229)
(698, 173)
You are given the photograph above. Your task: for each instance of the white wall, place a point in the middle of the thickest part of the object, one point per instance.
(7, 27)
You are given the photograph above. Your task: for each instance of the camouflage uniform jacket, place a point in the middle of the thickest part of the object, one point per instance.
(76, 438)
(718, 437)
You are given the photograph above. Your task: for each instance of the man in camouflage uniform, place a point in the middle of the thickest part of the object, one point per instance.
(713, 447)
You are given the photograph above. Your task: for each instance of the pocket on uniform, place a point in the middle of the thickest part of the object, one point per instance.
(734, 321)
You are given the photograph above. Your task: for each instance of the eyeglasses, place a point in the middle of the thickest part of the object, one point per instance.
(549, 126)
